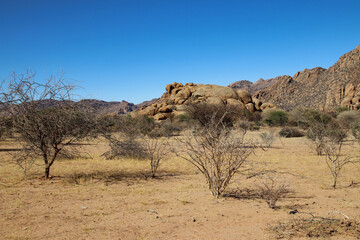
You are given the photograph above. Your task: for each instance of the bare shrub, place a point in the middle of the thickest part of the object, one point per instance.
(25, 159)
(156, 150)
(334, 159)
(347, 119)
(43, 119)
(216, 151)
(267, 139)
(272, 191)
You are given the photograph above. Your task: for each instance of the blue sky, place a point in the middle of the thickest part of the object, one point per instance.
(129, 50)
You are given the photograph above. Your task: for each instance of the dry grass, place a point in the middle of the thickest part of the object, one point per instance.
(94, 198)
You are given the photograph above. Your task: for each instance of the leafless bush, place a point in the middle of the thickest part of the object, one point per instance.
(156, 150)
(271, 191)
(267, 139)
(216, 151)
(334, 159)
(42, 117)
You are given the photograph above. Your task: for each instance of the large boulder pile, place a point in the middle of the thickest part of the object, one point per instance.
(173, 101)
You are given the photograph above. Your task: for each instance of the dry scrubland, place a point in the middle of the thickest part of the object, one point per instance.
(93, 198)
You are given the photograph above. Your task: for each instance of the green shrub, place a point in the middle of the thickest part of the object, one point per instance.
(277, 118)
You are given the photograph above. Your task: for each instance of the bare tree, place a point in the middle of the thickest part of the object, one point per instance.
(334, 158)
(216, 151)
(43, 117)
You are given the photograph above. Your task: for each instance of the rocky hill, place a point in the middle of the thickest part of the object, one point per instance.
(103, 107)
(259, 85)
(319, 88)
(173, 101)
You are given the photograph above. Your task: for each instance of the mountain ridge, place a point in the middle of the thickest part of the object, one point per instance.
(319, 88)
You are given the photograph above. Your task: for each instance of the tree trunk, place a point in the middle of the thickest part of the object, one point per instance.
(47, 172)
(334, 181)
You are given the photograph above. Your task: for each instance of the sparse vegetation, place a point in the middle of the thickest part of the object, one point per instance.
(215, 142)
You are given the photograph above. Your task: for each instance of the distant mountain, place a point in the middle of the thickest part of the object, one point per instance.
(254, 87)
(98, 106)
(318, 88)
(242, 84)
(147, 103)
(103, 107)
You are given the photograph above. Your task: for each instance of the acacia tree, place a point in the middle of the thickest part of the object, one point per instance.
(214, 149)
(43, 117)
(334, 159)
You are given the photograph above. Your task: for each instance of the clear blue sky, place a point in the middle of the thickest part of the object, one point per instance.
(129, 50)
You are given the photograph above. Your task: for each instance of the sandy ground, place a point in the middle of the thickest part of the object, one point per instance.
(93, 198)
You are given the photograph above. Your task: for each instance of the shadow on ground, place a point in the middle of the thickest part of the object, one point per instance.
(115, 176)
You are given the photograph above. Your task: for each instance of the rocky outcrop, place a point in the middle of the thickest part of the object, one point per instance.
(259, 85)
(177, 95)
(319, 88)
